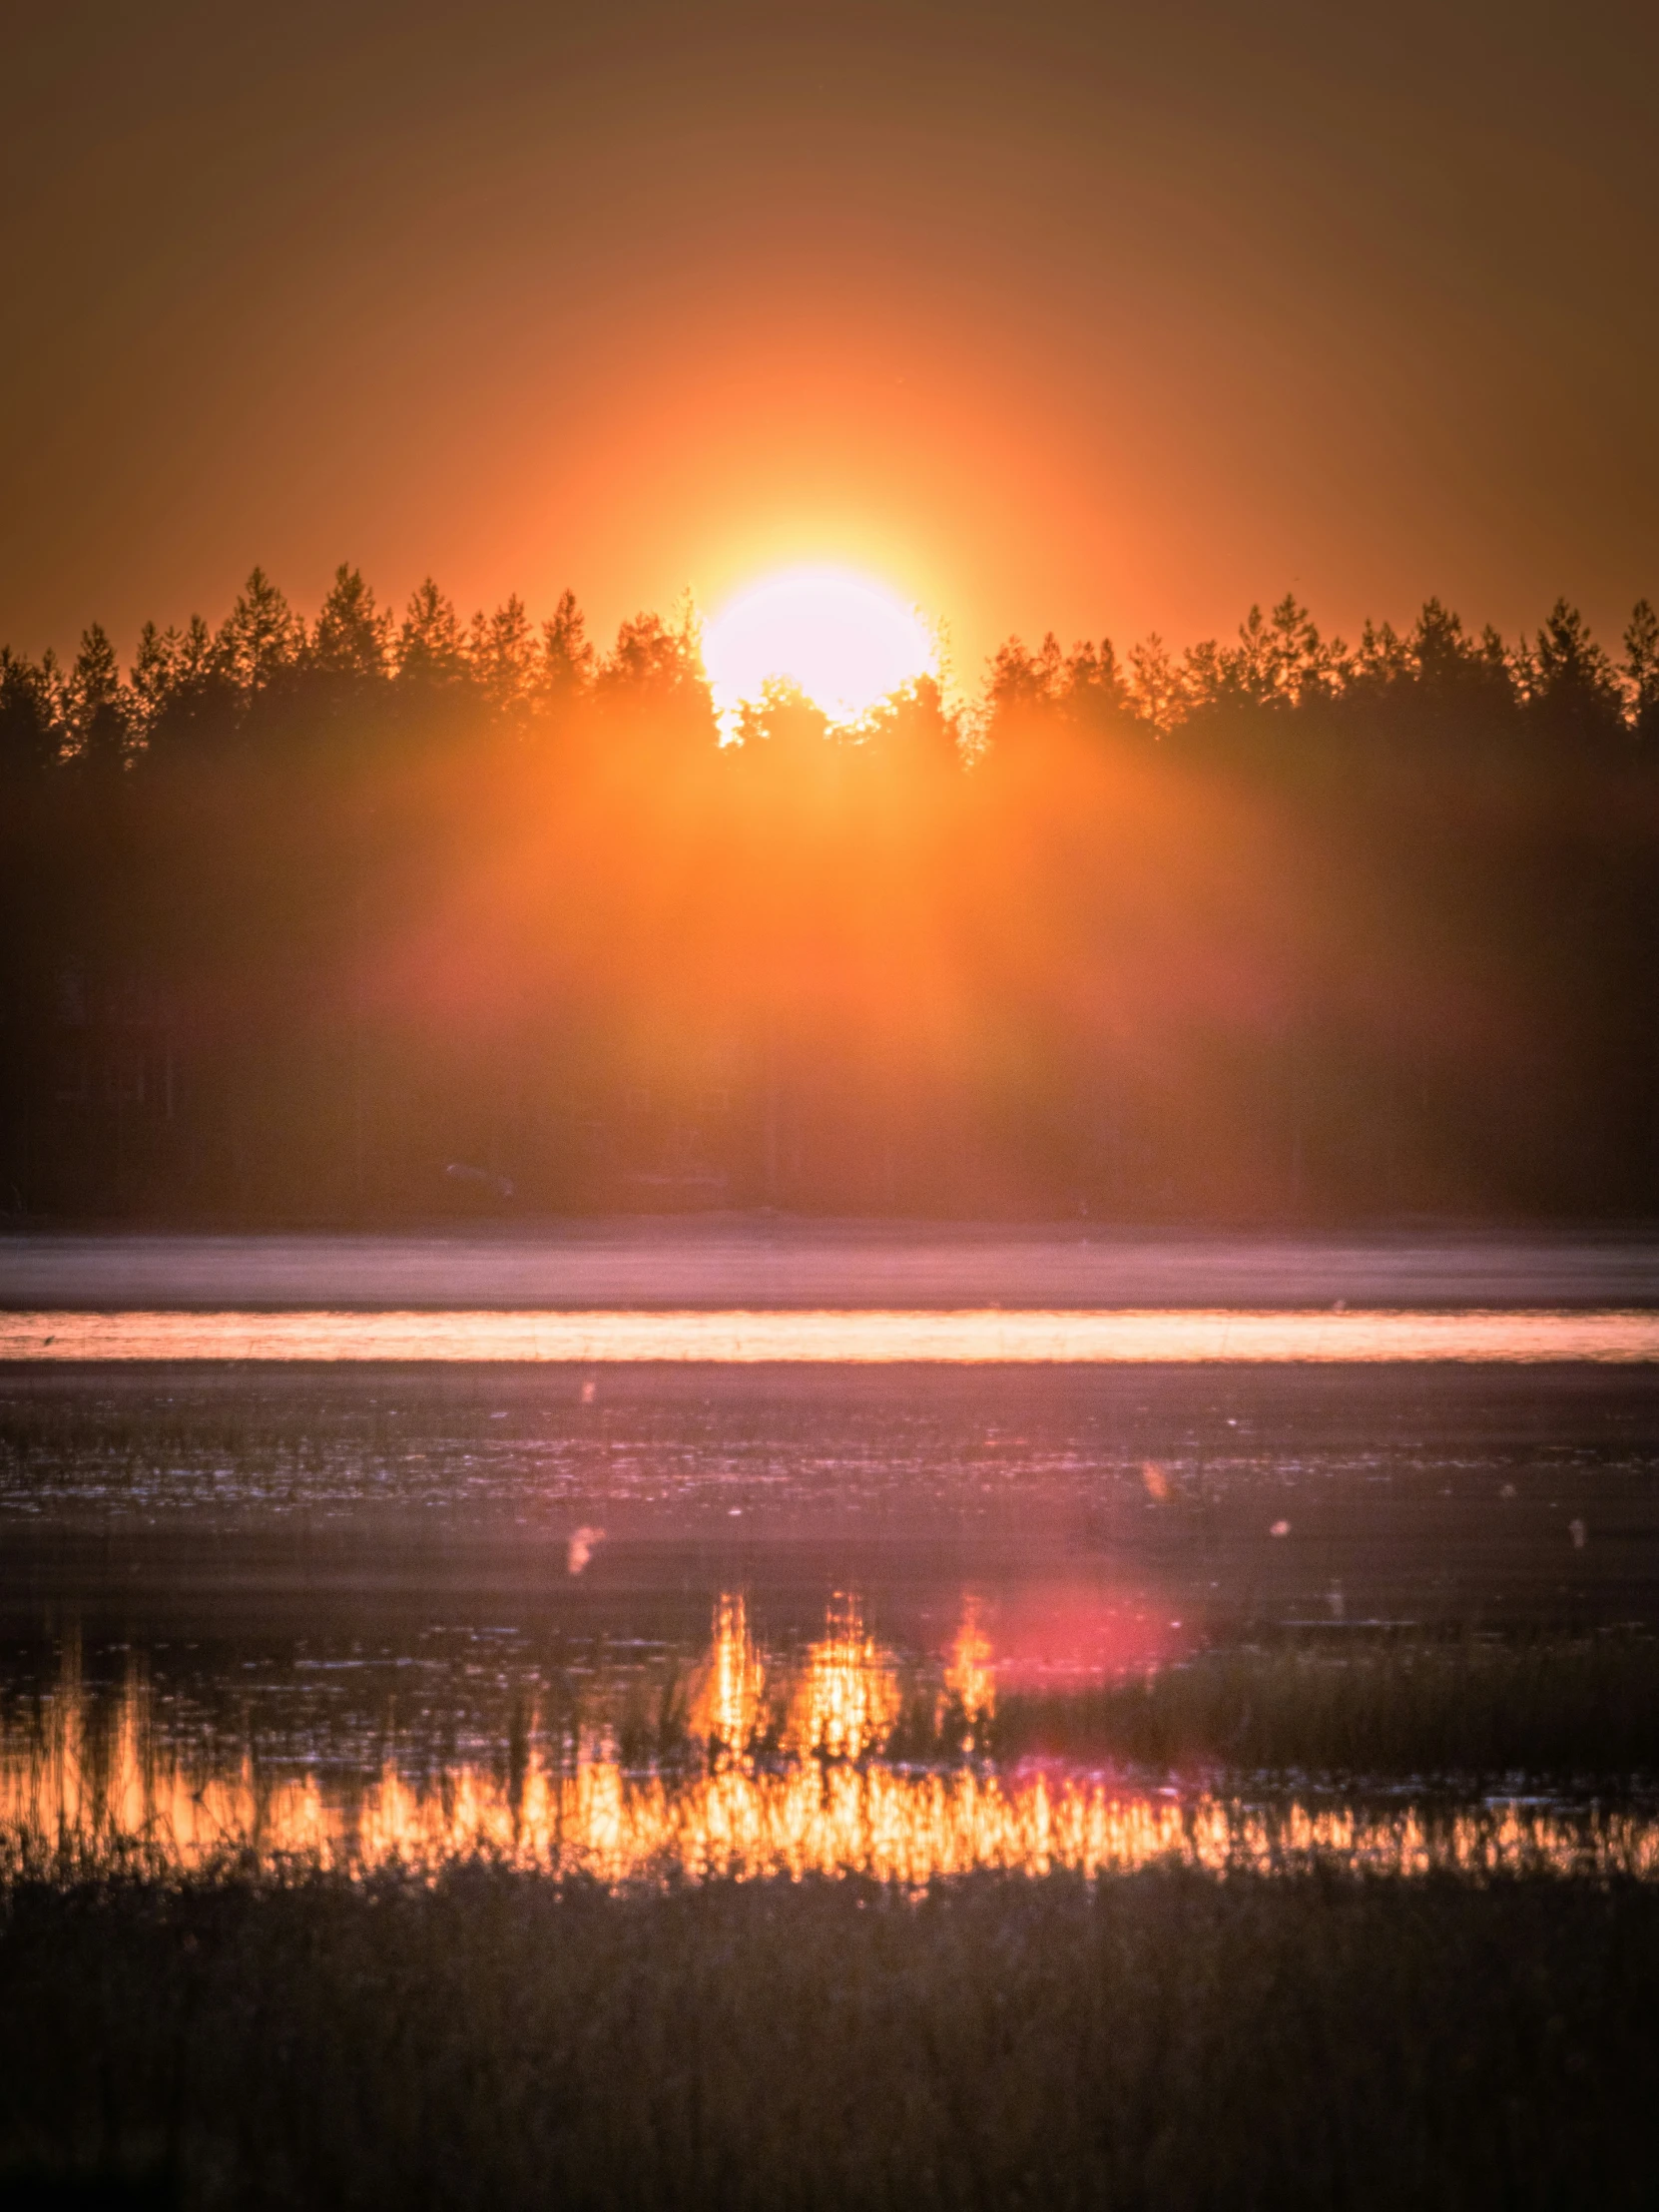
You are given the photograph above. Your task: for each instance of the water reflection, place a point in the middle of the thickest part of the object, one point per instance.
(98, 1780)
(742, 1339)
(729, 1710)
(847, 1699)
(969, 1680)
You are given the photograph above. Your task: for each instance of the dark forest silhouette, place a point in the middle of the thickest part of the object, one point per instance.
(366, 919)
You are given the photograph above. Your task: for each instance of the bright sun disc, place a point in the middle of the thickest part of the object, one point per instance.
(844, 641)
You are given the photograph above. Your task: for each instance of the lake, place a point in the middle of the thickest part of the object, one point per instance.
(777, 1588)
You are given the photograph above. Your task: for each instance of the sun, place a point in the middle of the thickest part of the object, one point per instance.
(846, 640)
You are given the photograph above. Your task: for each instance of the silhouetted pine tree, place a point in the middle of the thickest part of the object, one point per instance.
(1640, 670)
(31, 734)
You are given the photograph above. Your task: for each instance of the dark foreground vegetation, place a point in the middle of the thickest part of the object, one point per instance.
(360, 919)
(498, 2041)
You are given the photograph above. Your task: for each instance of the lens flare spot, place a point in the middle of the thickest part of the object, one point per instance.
(583, 1545)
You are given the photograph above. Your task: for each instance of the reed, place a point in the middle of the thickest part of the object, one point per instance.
(1556, 1708)
(495, 2039)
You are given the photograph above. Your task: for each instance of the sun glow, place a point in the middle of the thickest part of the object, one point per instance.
(845, 641)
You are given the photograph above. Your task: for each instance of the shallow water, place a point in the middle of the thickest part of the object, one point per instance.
(94, 1781)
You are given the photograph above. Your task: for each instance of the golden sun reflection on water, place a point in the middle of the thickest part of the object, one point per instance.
(973, 1335)
(88, 1783)
(727, 1704)
(970, 1679)
(848, 1699)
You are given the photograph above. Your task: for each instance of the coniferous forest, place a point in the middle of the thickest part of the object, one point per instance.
(368, 918)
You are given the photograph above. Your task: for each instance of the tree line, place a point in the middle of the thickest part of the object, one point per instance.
(264, 664)
(370, 915)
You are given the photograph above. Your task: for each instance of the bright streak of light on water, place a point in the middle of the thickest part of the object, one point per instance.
(972, 1337)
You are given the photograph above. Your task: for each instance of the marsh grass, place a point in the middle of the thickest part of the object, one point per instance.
(1573, 1714)
(495, 2039)
(1568, 1711)
(1561, 1709)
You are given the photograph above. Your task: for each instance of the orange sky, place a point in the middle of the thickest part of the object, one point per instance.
(1092, 317)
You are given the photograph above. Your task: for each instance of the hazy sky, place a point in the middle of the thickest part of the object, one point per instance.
(1099, 317)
